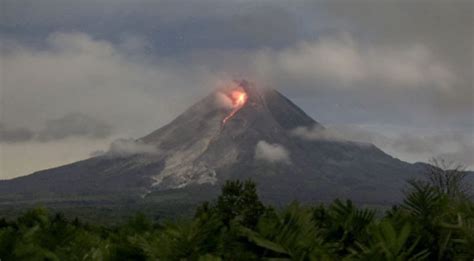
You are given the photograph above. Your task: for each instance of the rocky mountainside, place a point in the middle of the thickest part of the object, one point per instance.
(239, 132)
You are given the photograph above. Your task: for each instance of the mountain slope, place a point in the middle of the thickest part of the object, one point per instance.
(215, 140)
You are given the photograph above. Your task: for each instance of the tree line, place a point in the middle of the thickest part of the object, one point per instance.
(435, 221)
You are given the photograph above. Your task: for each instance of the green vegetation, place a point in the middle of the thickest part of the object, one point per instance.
(434, 222)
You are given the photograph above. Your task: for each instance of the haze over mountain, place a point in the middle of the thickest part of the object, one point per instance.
(240, 132)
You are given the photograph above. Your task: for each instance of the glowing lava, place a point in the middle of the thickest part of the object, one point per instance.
(239, 98)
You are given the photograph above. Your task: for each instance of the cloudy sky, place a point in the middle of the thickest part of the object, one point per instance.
(77, 75)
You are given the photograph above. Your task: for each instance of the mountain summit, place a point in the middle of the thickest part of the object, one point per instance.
(239, 132)
(220, 133)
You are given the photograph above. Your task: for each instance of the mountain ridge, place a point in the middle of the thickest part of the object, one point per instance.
(199, 148)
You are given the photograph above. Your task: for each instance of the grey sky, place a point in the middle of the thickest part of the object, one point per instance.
(76, 73)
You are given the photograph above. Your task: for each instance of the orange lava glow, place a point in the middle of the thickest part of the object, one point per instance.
(239, 98)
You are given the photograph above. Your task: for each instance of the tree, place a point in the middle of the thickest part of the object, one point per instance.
(440, 209)
(344, 223)
(435, 222)
(239, 200)
(181, 240)
(449, 178)
(389, 244)
(290, 234)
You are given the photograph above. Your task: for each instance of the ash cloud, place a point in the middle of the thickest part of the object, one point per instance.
(223, 101)
(273, 153)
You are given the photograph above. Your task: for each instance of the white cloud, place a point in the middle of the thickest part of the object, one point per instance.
(271, 152)
(115, 83)
(409, 144)
(315, 133)
(118, 84)
(339, 133)
(128, 89)
(345, 63)
(74, 73)
(127, 147)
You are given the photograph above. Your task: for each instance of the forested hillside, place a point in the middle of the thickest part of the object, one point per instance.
(434, 222)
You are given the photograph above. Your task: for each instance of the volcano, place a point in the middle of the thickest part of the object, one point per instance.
(240, 132)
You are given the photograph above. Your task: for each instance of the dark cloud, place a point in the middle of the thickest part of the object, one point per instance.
(139, 64)
(74, 125)
(430, 46)
(444, 27)
(345, 79)
(452, 146)
(173, 27)
(70, 125)
(464, 156)
(15, 134)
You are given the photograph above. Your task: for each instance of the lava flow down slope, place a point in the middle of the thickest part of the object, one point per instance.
(240, 132)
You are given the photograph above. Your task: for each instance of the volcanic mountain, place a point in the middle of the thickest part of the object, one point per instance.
(241, 132)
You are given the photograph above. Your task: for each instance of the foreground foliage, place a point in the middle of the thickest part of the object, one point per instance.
(435, 222)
